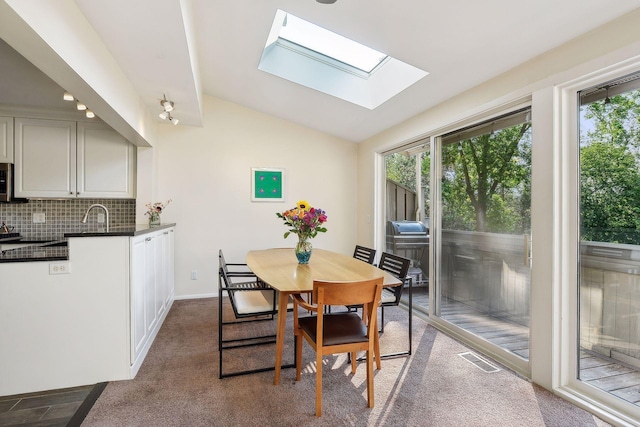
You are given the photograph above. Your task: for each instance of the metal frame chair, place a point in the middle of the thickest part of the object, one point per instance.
(250, 299)
(365, 254)
(399, 267)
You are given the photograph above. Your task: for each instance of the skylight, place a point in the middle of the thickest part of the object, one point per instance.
(307, 54)
(325, 42)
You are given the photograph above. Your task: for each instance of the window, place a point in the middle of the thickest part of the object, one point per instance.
(309, 55)
(325, 45)
(608, 355)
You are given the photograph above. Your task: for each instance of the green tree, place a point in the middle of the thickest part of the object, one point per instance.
(486, 184)
(402, 169)
(609, 177)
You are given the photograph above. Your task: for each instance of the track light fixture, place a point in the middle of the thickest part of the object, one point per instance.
(167, 107)
(79, 105)
(166, 104)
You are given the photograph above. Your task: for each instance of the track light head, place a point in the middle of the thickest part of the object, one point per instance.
(166, 104)
(167, 107)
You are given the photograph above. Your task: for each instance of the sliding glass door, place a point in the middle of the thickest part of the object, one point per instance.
(407, 215)
(483, 266)
(608, 356)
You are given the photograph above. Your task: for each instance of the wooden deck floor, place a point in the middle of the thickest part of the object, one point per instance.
(607, 374)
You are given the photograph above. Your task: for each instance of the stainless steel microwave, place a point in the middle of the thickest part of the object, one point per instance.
(6, 182)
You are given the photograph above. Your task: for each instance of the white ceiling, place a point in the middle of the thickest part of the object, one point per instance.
(192, 47)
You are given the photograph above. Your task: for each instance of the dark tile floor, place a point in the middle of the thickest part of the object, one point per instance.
(65, 407)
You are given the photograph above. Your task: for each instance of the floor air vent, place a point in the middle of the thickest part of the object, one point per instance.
(477, 361)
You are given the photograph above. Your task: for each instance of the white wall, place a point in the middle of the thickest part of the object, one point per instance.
(207, 171)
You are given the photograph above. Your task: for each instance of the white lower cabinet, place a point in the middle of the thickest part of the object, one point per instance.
(152, 289)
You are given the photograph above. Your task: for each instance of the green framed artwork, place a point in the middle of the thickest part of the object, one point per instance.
(267, 185)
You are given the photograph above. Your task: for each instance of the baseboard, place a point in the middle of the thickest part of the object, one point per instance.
(195, 296)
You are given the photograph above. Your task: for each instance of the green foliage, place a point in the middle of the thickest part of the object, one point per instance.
(402, 169)
(609, 176)
(486, 182)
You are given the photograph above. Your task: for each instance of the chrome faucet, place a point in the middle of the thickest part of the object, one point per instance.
(97, 205)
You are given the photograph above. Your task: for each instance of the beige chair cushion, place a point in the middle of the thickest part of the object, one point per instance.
(387, 296)
(254, 301)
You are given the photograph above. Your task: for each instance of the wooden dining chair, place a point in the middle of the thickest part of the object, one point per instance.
(343, 332)
(365, 254)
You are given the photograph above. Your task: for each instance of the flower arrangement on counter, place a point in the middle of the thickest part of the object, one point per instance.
(154, 210)
(304, 220)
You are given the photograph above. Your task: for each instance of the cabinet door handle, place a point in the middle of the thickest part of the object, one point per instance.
(148, 239)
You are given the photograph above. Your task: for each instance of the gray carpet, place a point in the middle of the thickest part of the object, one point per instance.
(178, 385)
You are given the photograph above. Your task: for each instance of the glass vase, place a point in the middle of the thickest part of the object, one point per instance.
(303, 251)
(154, 219)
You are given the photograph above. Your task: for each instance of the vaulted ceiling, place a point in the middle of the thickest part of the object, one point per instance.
(188, 48)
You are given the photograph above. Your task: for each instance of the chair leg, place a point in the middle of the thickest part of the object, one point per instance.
(353, 362)
(370, 379)
(376, 350)
(318, 382)
(298, 356)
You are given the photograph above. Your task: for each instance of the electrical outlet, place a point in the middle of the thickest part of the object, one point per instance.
(100, 218)
(59, 268)
(194, 274)
(39, 218)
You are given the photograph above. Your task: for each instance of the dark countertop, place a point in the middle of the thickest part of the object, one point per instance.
(59, 251)
(133, 230)
(50, 251)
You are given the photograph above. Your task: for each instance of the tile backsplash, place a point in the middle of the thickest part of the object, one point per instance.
(63, 216)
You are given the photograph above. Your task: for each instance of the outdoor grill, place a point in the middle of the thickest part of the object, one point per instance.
(409, 239)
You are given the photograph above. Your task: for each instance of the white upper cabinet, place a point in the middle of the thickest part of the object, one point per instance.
(45, 154)
(57, 158)
(106, 163)
(6, 139)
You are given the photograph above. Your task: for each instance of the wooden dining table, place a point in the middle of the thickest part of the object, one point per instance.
(279, 269)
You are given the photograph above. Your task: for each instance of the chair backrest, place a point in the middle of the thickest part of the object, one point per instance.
(347, 293)
(222, 264)
(247, 298)
(395, 264)
(399, 267)
(365, 254)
